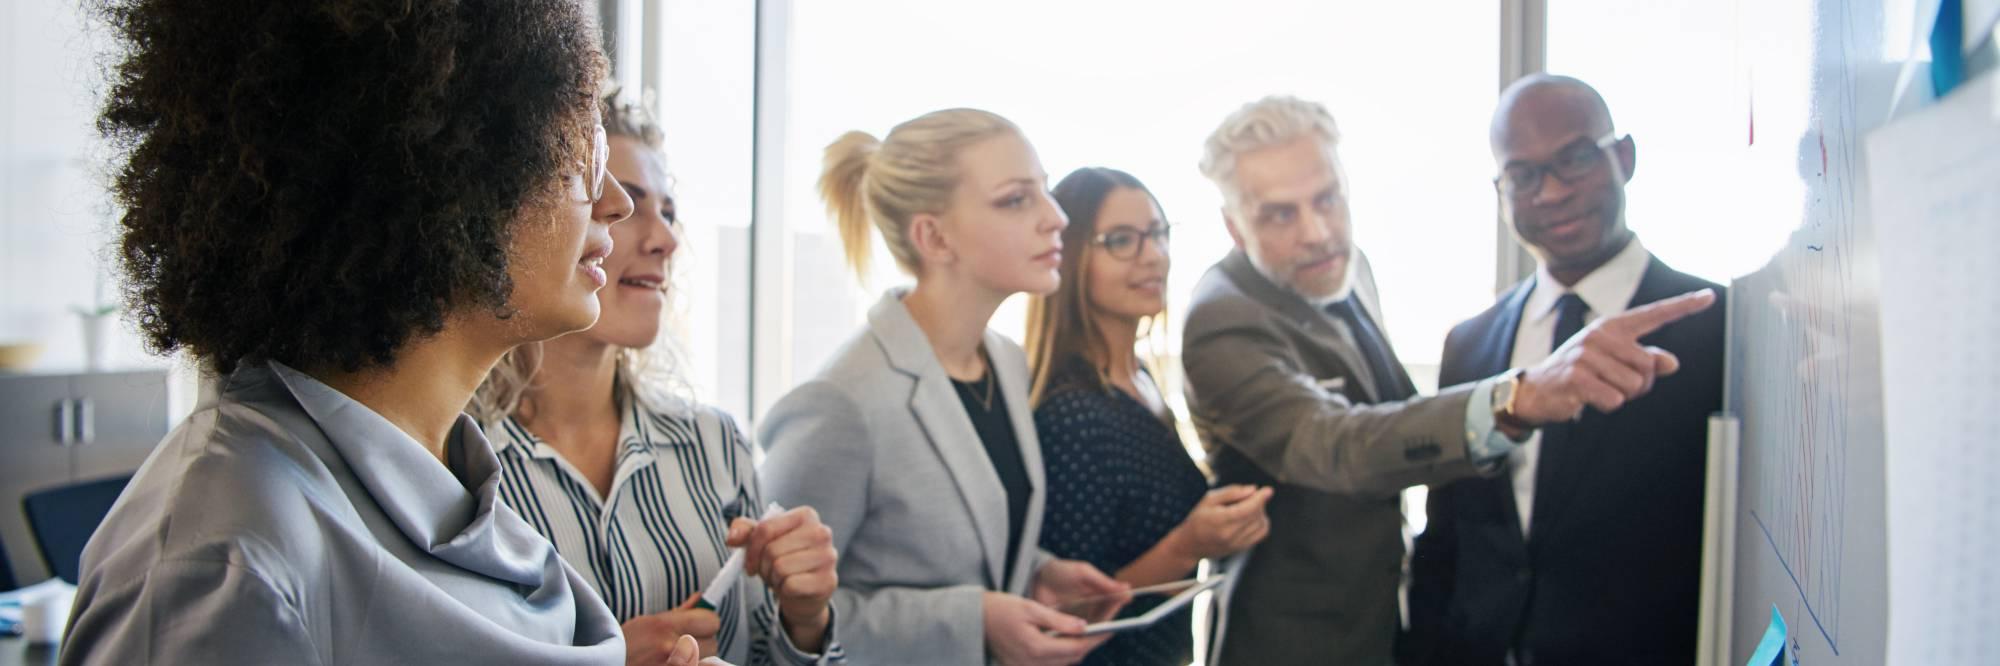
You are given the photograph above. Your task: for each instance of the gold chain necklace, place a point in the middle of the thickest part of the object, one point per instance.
(986, 402)
(986, 383)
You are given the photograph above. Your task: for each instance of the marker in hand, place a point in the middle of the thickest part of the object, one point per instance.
(732, 570)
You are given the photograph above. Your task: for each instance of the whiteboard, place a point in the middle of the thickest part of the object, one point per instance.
(1804, 358)
(1935, 198)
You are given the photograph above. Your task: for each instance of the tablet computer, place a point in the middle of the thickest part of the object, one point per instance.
(1148, 605)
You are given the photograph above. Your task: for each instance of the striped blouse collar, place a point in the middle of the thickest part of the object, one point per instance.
(640, 429)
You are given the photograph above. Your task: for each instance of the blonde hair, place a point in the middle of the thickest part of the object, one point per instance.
(888, 182)
(1267, 122)
(651, 375)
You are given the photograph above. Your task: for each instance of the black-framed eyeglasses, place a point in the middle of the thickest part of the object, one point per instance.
(1124, 243)
(1522, 180)
(597, 173)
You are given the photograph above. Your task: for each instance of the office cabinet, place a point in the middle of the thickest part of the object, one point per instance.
(56, 430)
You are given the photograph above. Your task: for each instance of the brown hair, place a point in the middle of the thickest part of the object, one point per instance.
(1061, 331)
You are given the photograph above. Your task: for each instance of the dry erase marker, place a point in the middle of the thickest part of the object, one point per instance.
(732, 569)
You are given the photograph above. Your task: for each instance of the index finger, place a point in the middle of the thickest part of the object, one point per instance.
(1252, 505)
(1639, 321)
(778, 525)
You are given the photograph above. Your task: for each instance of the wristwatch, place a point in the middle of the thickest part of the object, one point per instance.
(1504, 394)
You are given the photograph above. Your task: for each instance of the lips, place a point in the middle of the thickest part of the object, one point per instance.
(647, 281)
(1052, 256)
(1153, 284)
(1567, 226)
(592, 263)
(1322, 263)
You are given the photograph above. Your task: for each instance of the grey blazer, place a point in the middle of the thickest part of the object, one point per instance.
(1280, 394)
(880, 445)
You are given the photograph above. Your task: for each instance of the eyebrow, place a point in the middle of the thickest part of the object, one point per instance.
(1030, 182)
(633, 189)
(1128, 226)
(1268, 208)
(1572, 143)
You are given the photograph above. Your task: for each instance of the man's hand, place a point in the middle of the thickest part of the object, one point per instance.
(1603, 366)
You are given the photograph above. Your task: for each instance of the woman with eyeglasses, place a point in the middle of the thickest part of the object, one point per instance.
(642, 489)
(348, 211)
(1123, 493)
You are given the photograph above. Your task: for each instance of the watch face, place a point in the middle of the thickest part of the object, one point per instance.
(1503, 392)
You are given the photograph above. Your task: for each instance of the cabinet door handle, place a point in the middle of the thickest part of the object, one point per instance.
(65, 421)
(86, 421)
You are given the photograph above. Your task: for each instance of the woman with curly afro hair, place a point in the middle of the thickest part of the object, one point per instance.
(348, 210)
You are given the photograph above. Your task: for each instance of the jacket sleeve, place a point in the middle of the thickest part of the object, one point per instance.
(1250, 394)
(820, 455)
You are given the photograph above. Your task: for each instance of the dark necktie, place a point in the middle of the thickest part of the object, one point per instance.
(1391, 383)
(1555, 436)
(1569, 319)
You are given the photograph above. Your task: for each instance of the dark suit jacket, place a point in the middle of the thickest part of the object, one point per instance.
(1280, 394)
(1611, 570)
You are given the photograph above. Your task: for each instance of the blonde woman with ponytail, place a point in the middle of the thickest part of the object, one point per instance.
(917, 441)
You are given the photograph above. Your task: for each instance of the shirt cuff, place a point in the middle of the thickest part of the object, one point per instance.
(830, 652)
(1485, 443)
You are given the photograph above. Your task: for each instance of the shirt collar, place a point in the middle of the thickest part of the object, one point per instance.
(458, 522)
(1606, 291)
(638, 432)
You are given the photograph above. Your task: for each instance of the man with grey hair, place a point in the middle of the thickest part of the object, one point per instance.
(1292, 382)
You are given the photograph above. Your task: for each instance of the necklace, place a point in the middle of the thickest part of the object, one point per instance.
(986, 400)
(985, 385)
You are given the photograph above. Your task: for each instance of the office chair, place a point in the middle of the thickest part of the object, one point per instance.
(62, 520)
(7, 581)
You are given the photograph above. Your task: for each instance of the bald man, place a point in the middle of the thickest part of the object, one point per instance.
(1587, 550)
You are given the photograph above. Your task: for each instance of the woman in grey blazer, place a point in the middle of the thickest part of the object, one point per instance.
(917, 443)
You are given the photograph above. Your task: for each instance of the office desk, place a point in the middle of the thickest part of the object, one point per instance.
(15, 651)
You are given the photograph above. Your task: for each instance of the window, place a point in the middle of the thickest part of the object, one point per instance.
(699, 70)
(1703, 197)
(1129, 86)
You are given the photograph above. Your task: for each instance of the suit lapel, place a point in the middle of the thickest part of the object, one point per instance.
(1010, 367)
(1364, 291)
(1334, 333)
(936, 407)
(1495, 355)
(1561, 468)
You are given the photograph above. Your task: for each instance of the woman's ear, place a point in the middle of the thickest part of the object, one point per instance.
(928, 237)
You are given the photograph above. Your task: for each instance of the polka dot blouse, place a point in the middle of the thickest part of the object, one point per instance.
(1118, 481)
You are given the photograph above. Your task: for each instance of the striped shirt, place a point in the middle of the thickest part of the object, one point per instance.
(657, 537)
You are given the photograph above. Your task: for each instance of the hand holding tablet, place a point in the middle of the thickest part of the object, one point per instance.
(1105, 607)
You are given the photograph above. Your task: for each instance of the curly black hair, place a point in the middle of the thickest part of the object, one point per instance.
(318, 181)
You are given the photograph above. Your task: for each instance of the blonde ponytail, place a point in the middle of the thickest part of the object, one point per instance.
(840, 183)
(913, 170)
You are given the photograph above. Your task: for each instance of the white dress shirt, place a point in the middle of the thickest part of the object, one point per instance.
(1606, 291)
